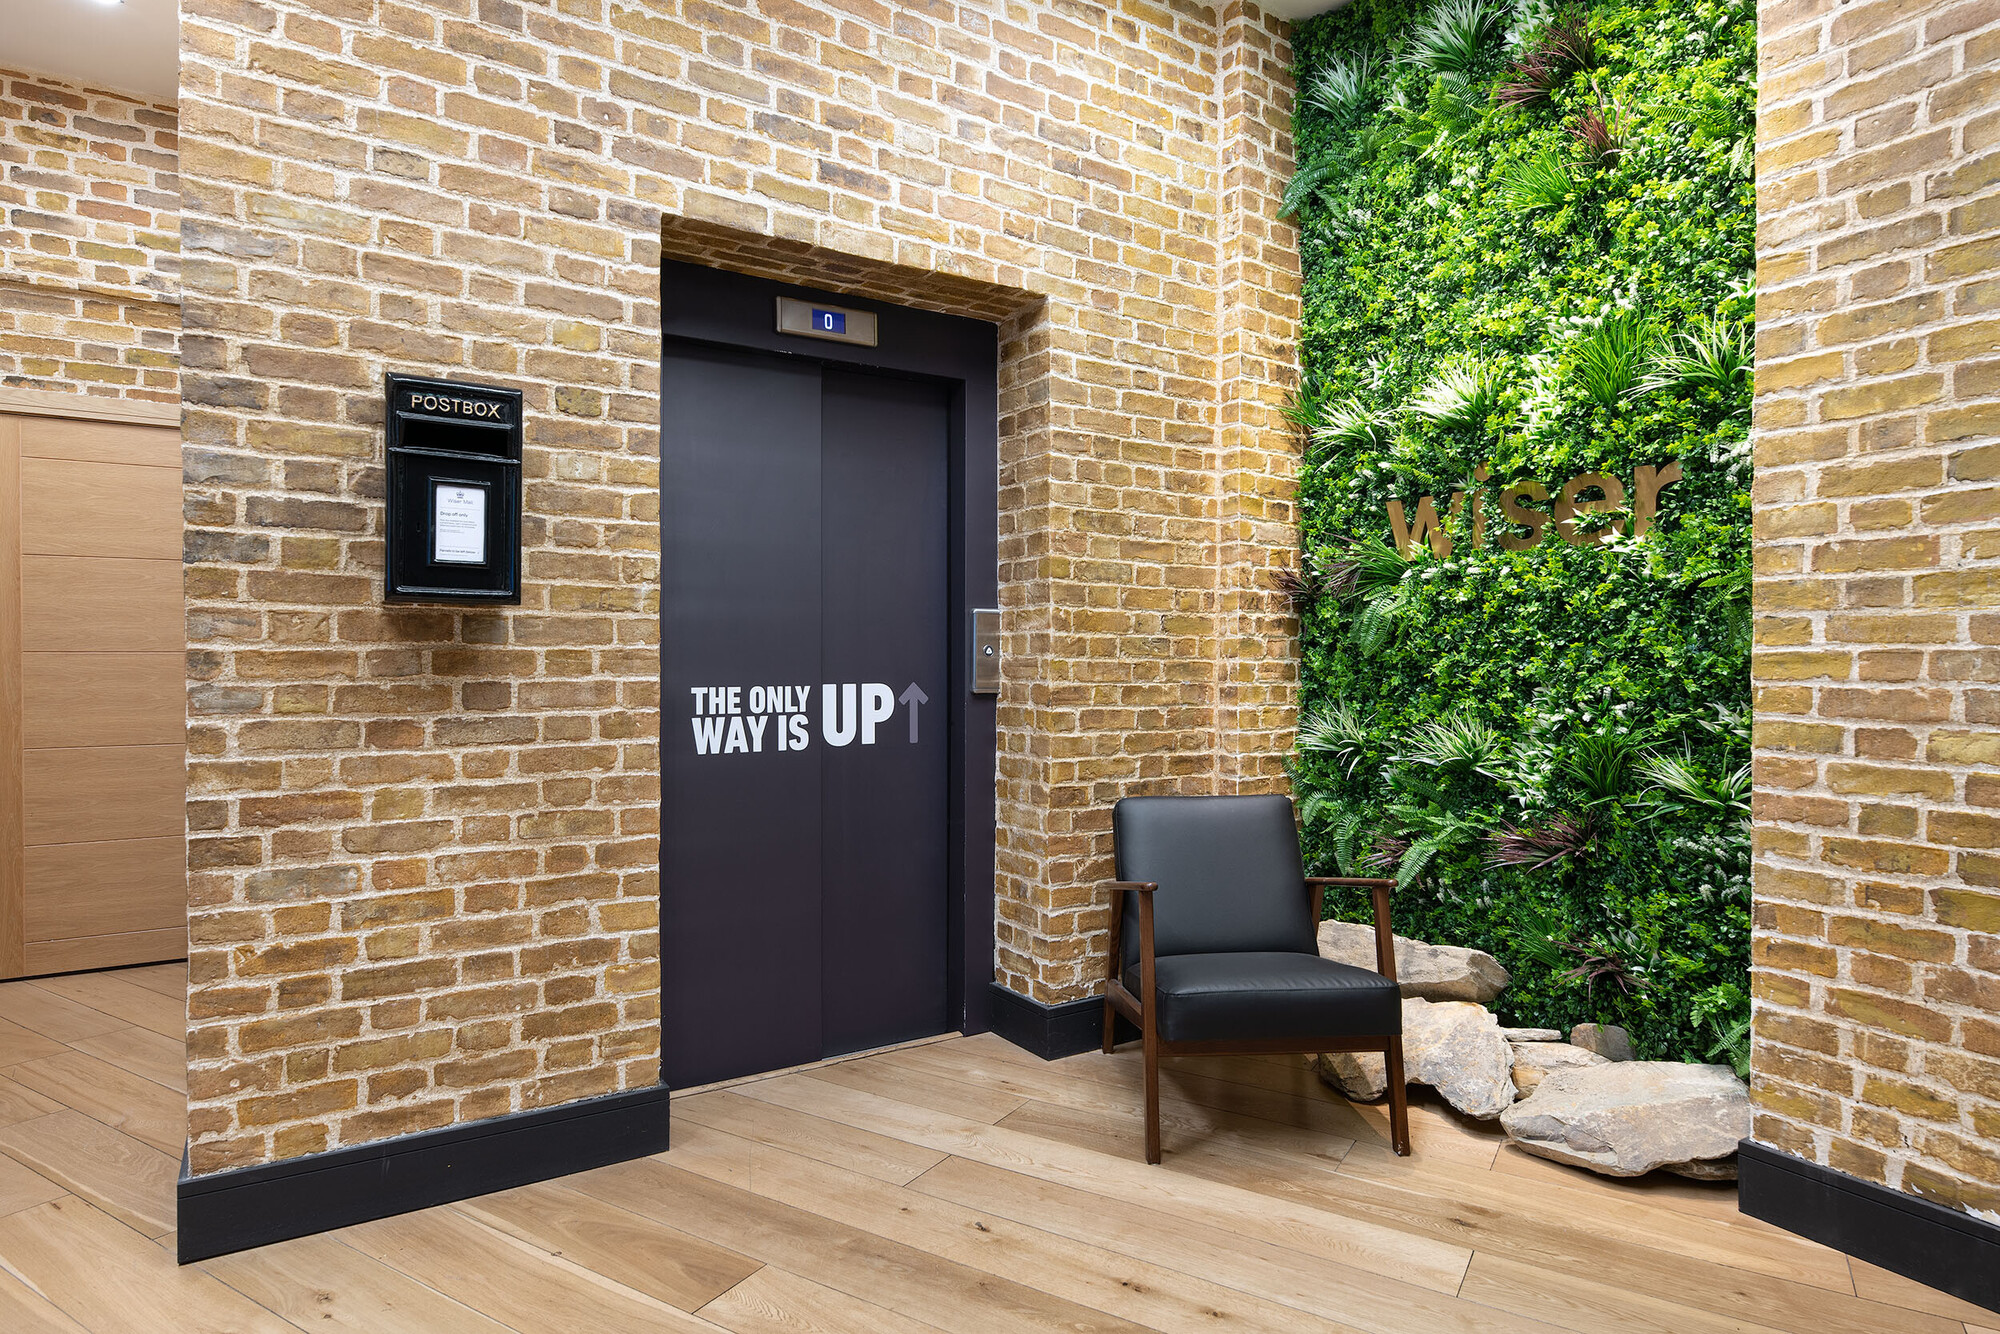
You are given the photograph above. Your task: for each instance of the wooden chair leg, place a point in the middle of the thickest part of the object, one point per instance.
(1152, 1096)
(1399, 1100)
(1110, 1023)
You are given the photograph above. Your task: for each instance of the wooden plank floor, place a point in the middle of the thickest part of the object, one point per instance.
(956, 1185)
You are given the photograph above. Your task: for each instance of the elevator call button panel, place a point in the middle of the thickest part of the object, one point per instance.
(985, 671)
(454, 492)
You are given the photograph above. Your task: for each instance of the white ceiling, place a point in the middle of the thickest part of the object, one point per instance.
(132, 46)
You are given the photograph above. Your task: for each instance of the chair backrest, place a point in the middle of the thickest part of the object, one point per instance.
(1228, 869)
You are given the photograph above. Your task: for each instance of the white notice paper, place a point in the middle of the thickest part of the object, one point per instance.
(458, 525)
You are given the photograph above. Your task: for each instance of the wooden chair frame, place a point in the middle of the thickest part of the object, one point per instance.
(1119, 1000)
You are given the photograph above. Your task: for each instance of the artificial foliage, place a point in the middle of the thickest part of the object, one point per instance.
(1527, 240)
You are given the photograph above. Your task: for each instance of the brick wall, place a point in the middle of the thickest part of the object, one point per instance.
(422, 843)
(1256, 670)
(1877, 968)
(89, 217)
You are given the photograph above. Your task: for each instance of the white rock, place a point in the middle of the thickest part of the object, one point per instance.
(1456, 1048)
(1359, 1076)
(1533, 1061)
(1626, 1118)
(1532, 1034)
(1713, 1169)
(1607, 1040)
(1433, 972)
(1453, 1046)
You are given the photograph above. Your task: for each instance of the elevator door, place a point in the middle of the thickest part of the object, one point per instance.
(805, 574)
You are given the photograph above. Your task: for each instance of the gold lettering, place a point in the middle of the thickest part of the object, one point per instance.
(1427, 529)
(1649, 482)
(1478, 509)
(1567, 508)
(1478, 516)
(1516, 512)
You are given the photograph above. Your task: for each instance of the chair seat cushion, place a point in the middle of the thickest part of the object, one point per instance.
(1246, 996)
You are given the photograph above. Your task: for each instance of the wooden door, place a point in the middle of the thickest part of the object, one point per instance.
(93, 864)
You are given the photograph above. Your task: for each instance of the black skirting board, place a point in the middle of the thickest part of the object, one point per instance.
(255, 1206)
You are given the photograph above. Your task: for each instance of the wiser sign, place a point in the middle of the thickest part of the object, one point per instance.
(1591, 493)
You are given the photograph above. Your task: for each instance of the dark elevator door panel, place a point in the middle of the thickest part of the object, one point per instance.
(885, 598)
(805, 711)
(740, 590)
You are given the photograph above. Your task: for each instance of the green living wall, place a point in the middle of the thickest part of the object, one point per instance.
(1527, 241)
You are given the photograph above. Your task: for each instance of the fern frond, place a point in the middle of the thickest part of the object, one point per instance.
(1414, 861)
(1306, 182)
(1373, 627)
(1347, 838)
(1732, 1042)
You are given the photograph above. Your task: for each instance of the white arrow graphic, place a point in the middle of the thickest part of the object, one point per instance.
(913, 697)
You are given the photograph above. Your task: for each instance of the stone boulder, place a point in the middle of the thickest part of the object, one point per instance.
(1432, 972)
(1534, 1060)
(1456, 1048)
(1358, 1076)
(1532, 1034)
(1607, 1040)
(1453, 1046)
(1627, 1118)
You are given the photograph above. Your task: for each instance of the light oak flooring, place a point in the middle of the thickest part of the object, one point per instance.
(956, 1185)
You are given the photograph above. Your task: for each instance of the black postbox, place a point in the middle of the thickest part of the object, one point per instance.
(454, 492)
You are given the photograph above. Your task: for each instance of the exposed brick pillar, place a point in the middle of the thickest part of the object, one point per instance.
(1877, 969)
(1258, 317)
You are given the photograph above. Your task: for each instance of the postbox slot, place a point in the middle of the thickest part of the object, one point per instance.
(458, 437)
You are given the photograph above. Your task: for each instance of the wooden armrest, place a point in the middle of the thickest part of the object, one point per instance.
(1385, 939)
(1145, 889)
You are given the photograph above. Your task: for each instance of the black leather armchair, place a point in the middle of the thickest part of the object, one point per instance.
(1215, 930)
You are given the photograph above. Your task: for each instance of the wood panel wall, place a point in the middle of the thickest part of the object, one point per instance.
(92, 702)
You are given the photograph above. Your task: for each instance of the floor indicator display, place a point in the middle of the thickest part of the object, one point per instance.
(804, 673)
